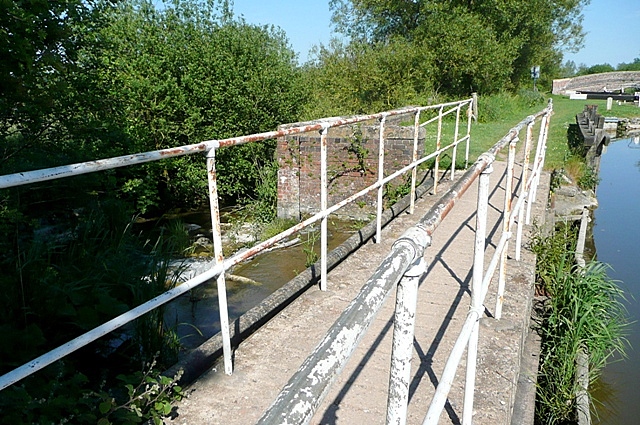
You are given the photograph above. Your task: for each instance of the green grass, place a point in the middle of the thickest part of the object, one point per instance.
(499, 113)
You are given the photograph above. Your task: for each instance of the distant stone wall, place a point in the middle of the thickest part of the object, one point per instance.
(607, 81)
(352, 159)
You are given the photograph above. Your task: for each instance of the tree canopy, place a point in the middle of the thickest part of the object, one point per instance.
(480, 45)
(86, 80)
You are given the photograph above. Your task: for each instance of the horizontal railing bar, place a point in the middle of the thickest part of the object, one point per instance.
(28, 177)
(299, 399)
(119, 321)
(429, 121)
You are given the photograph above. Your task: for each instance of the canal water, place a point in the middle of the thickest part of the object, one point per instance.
(617, 240)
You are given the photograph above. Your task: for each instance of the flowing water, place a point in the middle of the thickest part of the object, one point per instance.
(195, 314)
(617, 239)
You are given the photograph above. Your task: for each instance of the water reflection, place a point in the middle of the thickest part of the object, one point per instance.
(617, 238)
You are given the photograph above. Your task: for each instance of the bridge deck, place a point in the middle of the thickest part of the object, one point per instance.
(265, 362)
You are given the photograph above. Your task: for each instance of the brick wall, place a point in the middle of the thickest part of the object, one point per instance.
(352, 164)
(597, 82)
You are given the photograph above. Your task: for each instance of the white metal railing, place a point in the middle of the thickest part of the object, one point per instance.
(217, 271)
(404, 266)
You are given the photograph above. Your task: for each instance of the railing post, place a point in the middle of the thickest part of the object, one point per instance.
(402, 350)
(582, 236)
(414, 158)
(380, 178)
(436, 169)
(538, 161)
(524, 189)
(323, 207)
(455, 144)
(217, 247)
(476, 291)
(475, 106)
(466, 151)
(506, 225)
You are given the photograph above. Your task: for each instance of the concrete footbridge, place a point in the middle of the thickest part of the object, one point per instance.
(421, 317)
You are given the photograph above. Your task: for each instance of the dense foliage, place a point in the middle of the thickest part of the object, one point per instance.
(128, 78)
(192, 77)
(450, 47)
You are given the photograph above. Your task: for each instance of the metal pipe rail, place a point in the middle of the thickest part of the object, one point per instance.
(209, 147)
(299, 399)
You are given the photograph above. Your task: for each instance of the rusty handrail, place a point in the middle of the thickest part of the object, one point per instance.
(209, 147)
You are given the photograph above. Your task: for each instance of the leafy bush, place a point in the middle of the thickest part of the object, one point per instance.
(360, 78)
(66, 396)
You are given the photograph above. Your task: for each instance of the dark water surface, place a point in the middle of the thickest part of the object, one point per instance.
(617, 239)
(195, 315)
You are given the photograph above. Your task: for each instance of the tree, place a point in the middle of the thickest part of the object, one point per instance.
(568, 69)
(596, 69)
(631, 66)
(507, 36)
(39, 45)
(103, 80)
(359, 78)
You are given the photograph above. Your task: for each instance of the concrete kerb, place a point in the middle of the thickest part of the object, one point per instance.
(202, 358)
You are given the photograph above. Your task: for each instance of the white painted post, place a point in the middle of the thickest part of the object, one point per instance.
(466, 151)
(536, 163)
(582, 236)
(414, 158)
(436, 169)
(455, 146)
(402, 350)
(476, 292)
(323, 207)
(380, 178)
(475, 106)
(524, 190)
(506, 226)
(217, 247)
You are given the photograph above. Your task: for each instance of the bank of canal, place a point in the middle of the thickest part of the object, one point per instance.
(616, 234)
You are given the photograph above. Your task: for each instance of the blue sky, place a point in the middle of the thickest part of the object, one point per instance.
(613, 26)
(613, 33)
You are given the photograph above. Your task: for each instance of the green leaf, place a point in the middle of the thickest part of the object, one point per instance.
(105, 406)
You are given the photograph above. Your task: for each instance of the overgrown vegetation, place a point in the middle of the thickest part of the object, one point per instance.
(583, 310)
(60, 280)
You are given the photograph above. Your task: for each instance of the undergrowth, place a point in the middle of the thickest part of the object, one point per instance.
(584, 310)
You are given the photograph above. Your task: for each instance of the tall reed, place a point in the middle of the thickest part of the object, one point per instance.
(584, 311)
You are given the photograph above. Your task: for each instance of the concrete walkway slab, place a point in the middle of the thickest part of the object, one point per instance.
(265, 362)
